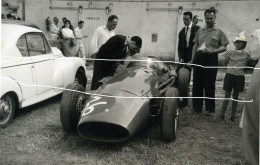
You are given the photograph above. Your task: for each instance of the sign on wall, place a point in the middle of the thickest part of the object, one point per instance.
(93, 19)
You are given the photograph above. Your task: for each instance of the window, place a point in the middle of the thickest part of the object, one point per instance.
(154, 37)
(47, 47)
(35, 44)
(22, 46)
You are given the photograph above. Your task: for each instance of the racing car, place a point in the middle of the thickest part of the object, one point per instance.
(123, 105)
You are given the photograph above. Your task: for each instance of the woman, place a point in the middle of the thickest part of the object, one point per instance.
(68, 36)
(55, 29)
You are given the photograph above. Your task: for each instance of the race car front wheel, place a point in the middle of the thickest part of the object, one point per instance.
(170, 114)
(7, 109)
(72, 102)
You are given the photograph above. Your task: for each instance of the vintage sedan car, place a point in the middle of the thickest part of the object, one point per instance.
(32, 70)
(123, 105)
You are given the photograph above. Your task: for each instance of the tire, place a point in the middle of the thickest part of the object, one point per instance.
(81, 78)
(184, 82)
(72, 103)
(7, 109)
(170, 115)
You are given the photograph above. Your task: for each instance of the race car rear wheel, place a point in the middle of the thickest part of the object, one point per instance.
(170, 114)
(184, 82)
(7, 109)
(72, 103)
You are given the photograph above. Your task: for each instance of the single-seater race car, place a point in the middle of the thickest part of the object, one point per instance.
(123, 105)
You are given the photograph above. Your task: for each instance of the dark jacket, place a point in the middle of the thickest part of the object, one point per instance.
(183, 52)
(114, 48)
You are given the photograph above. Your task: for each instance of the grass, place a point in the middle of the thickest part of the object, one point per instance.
(36, 137)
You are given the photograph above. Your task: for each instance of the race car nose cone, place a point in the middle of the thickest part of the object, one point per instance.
(113, 119)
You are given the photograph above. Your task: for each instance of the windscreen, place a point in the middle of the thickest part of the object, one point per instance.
(147, 63)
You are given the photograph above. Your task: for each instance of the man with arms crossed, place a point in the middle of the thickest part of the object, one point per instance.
(209, 41)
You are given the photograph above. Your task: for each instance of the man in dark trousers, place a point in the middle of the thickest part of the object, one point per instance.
(185, 44)
(117, 47)
(209, 42)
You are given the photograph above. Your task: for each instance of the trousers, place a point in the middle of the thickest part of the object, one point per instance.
(204, 80)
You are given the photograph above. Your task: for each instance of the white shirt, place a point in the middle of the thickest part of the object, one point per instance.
(100, 36)
(66, 32)
(188, 34)
(54, 31)
(77, 32)
(55, 28)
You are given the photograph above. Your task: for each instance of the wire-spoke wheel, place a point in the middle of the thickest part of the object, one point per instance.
(7, 109)
(170, 114)
(72, 102)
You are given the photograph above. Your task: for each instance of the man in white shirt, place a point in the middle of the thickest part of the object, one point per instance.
(103, 33)
(79, 36)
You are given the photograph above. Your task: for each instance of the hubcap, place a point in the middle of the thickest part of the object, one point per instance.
(5, 110)
(80, 102)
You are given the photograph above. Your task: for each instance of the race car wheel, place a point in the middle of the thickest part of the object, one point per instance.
(184, 82)
(81, 78)
(72, 103)
(170, 114)
(7, 109)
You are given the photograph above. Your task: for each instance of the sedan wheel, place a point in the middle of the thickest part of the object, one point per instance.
(7, 109)
(170, 115)
(81, 78)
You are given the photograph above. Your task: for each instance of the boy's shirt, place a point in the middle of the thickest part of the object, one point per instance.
(236, 58)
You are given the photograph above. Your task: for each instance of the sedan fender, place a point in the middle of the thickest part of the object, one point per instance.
(66, 69)
(11, 85)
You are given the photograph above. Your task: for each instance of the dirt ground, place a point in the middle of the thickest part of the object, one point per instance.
(36, 137)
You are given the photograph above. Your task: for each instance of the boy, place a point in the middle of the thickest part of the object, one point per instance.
(234, 78)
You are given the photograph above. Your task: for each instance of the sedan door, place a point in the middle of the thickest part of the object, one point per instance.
(43, 59)
(21, 69)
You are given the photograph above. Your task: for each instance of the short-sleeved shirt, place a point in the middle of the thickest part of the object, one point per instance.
(212, 37)
(66, 32)
(237, 59)
(77, 32)
(100, 36)
(55, 28)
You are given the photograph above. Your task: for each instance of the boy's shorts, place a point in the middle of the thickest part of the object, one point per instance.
(234, 82)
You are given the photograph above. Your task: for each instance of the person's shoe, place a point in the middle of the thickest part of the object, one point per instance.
(232, 119)
(194, 112)
(221, 117)
(211, 113)
(185, 109)
(206, 113)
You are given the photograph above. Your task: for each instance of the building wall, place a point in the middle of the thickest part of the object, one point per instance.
(161, 18)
